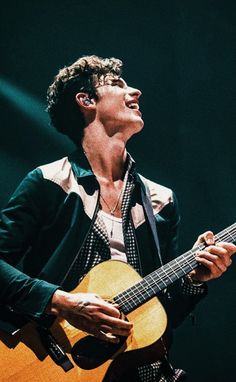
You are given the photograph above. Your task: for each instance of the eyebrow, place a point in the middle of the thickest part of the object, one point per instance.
(120, 80)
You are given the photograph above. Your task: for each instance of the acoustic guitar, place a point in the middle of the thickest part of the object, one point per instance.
(62, 353)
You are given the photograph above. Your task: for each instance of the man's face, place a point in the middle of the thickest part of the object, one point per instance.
(117, 106)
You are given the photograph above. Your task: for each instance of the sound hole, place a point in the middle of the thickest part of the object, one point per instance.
(90, 352)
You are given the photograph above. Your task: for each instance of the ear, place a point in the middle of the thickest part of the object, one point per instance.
(84, 101)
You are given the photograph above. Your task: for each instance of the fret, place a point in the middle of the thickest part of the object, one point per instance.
(129, 297)
(166, 275)
(191, 266)
(230, 231)
(158, 279)
(232, 237)
(174, 272)
(152, 280)
(136, 295)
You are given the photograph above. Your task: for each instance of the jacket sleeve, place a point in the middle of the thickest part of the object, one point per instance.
(19, 223)
(181, 297)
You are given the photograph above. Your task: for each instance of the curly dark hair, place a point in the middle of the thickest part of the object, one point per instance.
(82, 75)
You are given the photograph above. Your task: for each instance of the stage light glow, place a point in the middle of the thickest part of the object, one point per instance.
(34, 109)
(24, 102)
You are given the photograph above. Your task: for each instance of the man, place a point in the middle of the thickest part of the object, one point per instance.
(72, 214)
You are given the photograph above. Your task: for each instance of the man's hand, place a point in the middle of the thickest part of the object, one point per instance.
(90, 313)
(214, 259)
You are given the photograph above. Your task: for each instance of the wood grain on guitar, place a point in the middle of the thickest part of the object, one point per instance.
(24, 359)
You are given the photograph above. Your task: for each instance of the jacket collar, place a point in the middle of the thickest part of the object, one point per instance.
(80, 164)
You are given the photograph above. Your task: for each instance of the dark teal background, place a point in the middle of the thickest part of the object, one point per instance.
(182, 55)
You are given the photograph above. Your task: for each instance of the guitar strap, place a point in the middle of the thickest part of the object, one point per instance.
(146, 200)
(165, 366)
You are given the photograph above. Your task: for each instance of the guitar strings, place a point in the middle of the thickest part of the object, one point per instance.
(126, 295)
(188, 261)
(183, 258)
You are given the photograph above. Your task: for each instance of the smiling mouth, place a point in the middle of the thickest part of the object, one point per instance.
(133, 105)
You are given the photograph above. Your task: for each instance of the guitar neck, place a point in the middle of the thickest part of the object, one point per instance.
(166, 275)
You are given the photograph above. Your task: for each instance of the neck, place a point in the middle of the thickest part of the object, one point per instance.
(107, 158)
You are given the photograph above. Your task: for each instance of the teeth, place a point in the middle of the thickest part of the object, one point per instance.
(133, 106)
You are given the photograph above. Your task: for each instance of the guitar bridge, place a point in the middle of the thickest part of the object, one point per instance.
(53, 349)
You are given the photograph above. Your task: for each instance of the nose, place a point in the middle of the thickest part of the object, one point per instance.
(134, 92)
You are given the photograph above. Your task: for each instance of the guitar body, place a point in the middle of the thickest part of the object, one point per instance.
(24, 359)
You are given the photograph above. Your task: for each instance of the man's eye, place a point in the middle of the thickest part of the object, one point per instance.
(118, 83)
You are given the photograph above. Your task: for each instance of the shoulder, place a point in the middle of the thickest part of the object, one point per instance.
(58, 172)
(44, 178)
(160, 195)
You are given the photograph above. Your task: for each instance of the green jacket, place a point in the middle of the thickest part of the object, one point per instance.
(46, 222)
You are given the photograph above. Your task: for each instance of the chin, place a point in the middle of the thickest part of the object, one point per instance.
(133, 127)
(140, 125)
(137, 128)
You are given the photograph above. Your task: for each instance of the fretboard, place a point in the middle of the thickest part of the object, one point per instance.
(166, 275)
